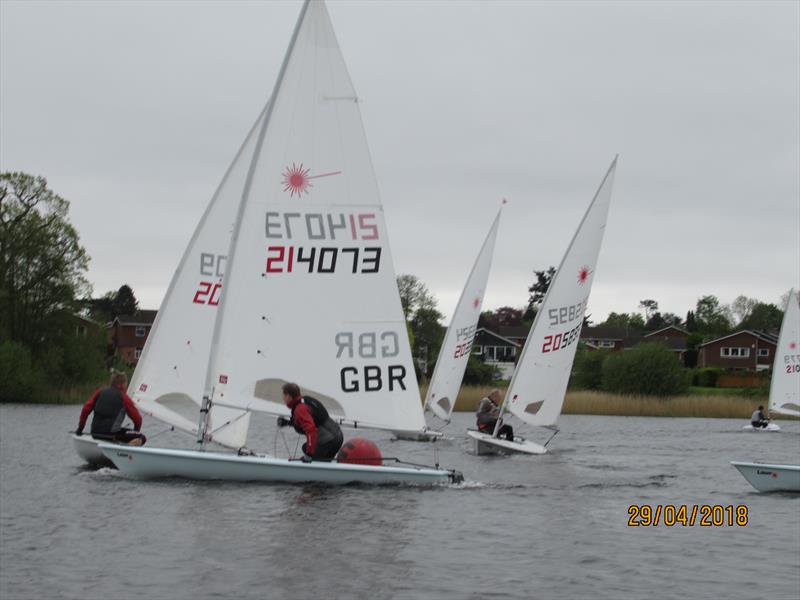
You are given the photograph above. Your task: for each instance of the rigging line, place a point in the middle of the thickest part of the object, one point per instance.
(555, 433)
(170, 428)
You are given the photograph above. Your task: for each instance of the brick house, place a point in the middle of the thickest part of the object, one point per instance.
(497, 350)
(129, 333)
(672, 337)
(741, 351)
(605, 338)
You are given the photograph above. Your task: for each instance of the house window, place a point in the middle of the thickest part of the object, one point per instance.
(726, 352)
(478, 350)
(141, 331)
(605, 343)
(490, 352)
(763, 351)
(137, 354)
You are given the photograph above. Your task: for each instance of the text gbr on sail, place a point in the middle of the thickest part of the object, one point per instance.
(369, 345)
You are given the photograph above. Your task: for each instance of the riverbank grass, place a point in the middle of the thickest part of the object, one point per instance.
(720, 406)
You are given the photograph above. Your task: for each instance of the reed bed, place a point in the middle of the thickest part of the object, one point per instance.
(602, 403)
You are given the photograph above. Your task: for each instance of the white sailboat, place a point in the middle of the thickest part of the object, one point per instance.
(784, 390)
(168, 381)
(454, 354)
(770, 477)
(536, 392)
(310, 293)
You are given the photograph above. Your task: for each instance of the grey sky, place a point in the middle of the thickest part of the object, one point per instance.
(133, 112)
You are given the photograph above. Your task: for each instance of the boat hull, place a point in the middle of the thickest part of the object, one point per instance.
(770, 478)
(87, 448)
(418, 436)
(484, 443)
(153, 463)
(771, 427)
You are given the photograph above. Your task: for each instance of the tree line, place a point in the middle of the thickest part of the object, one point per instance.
(48, 344)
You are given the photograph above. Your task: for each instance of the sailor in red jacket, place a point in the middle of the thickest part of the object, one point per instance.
(309, 418)
(110, 405)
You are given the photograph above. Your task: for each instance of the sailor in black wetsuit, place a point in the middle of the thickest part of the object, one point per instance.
(309, 418)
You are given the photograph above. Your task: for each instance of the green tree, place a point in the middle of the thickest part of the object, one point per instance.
(478, 372)
(630, 322)
(711, 316)
(650, 308)
(650, 369)
(42, 263)
(538, 290)
(428, 334)
(763, 316)
(414, 295)
(742, 307)
(124, 303)
(587, 370)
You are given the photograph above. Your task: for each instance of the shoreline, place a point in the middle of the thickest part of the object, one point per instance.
(583, 402)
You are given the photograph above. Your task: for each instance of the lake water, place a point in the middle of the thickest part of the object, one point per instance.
(519, 527)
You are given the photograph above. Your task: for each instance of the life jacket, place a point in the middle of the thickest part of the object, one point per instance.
(109, 411)
(318, 413)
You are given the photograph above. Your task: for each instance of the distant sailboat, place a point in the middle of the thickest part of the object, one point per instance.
(539, 384)
(454, 354)
(310, 293)
(784, 390)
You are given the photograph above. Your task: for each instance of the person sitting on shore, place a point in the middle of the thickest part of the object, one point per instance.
(110, 405)
(759, 419)
(487, 413)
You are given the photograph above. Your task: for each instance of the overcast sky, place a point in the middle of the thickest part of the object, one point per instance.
(133, 111)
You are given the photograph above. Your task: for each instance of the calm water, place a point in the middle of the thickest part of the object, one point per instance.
(521, 527)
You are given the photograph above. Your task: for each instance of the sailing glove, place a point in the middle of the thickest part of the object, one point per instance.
(79, 432)
(306, 458)
(283, 422)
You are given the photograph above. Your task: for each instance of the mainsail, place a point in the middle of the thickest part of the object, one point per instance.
(310, 293)
(537, 388)
(457, 345)
(168, 381)
(784, 392)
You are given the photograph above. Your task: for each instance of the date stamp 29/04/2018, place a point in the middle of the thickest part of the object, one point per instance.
(687, 515)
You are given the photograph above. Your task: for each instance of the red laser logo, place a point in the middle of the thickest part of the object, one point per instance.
(297, 179)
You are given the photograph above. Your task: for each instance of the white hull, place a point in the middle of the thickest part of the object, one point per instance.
(87, 449)
(418, 436)
(770, 478)
(484, 443)
(770, 427)
(151, 463)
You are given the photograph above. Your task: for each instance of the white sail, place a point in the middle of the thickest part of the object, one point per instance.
(457, 345)
(784, 392)
(169, 378)
(537, 388)
(310, 292)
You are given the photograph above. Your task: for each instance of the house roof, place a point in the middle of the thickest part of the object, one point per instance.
(496, 335)
(603, 333)
(519, 331)
(663, 329)
(142, 317)
(761, 335)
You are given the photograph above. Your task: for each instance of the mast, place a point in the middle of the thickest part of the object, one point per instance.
(208, 393)
(552, 286)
